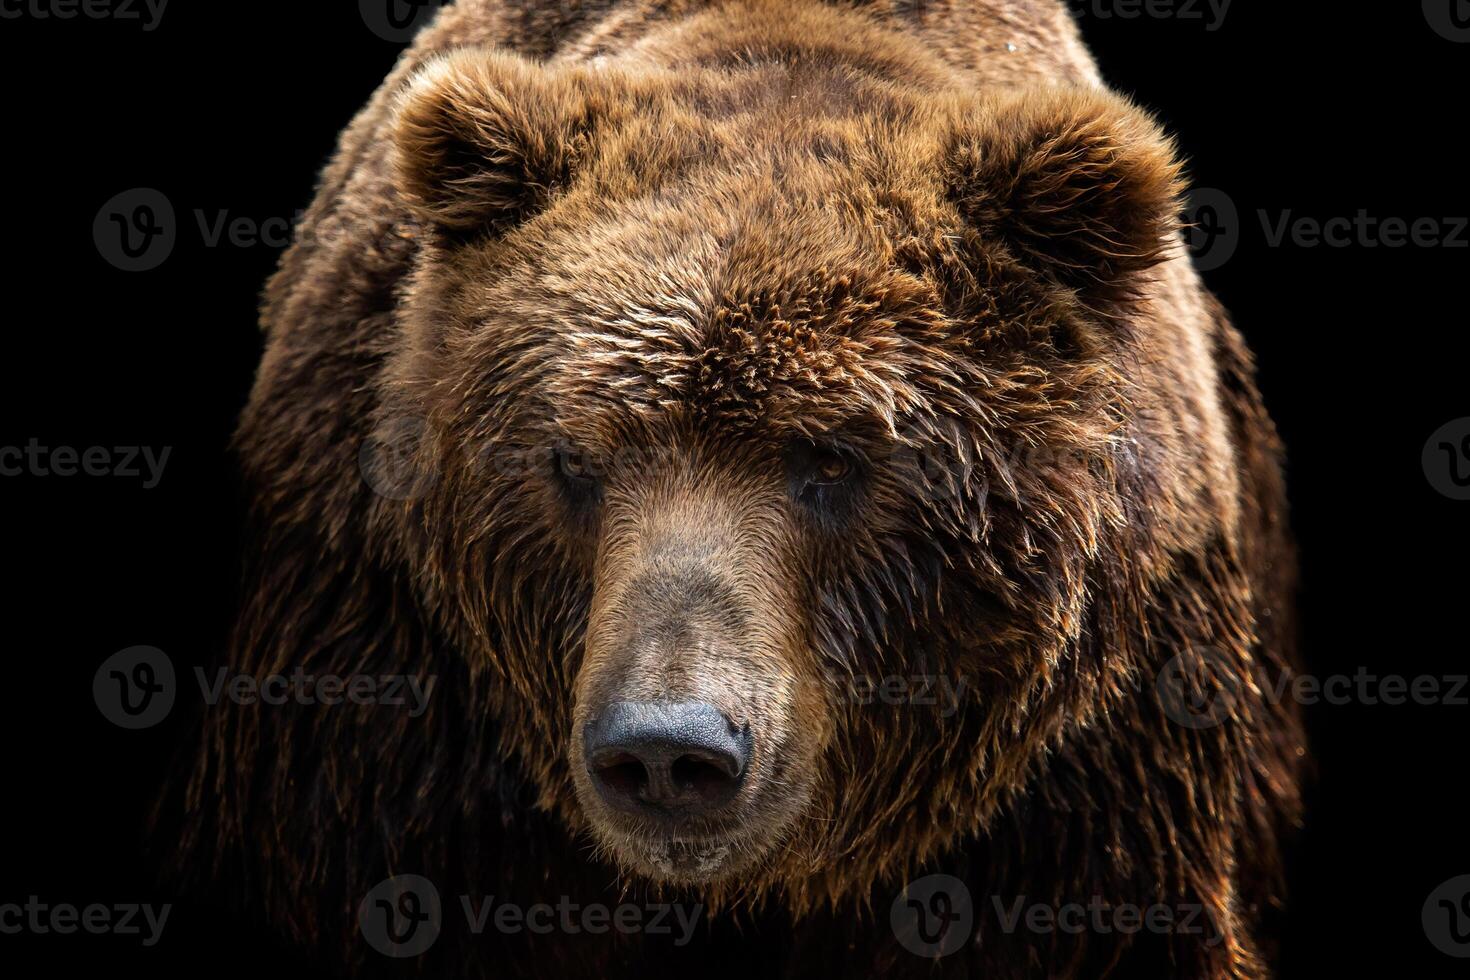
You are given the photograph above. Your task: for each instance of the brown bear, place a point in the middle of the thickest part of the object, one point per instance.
(791, 441)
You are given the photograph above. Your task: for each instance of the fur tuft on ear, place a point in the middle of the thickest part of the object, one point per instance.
(1079, 183)
(485, 138)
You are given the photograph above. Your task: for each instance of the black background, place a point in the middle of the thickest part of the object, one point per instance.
(1319, 109)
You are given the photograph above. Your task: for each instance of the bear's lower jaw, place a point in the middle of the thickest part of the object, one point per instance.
(688, 860)
(679, 861)
(684, 860)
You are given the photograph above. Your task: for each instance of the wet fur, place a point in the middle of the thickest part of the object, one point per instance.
(704, 231)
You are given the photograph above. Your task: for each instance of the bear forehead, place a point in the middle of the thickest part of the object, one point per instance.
(736, 262)
(746, 314)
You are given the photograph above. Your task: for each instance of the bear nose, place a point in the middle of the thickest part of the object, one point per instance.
(666, 758)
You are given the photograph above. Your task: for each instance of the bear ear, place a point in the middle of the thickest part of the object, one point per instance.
(485, 138)
(1079, 183)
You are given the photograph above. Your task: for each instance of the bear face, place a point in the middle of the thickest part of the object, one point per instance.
(742, 398)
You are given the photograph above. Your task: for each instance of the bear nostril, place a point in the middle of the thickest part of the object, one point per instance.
(666, 758)
(623, 774)
(700, 776)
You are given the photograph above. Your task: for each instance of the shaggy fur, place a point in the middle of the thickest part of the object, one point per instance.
(683, 244)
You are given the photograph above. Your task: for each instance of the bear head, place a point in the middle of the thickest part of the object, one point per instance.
(773, 429)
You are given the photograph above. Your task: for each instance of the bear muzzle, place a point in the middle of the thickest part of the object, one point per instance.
(693, 742)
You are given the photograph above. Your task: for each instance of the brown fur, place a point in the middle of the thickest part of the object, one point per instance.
(693, 237)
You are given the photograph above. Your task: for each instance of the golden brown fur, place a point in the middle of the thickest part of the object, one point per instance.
(678, 239)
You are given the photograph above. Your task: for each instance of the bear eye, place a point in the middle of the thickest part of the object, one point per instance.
(824, 478)
(829, 467)
(577, 472)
